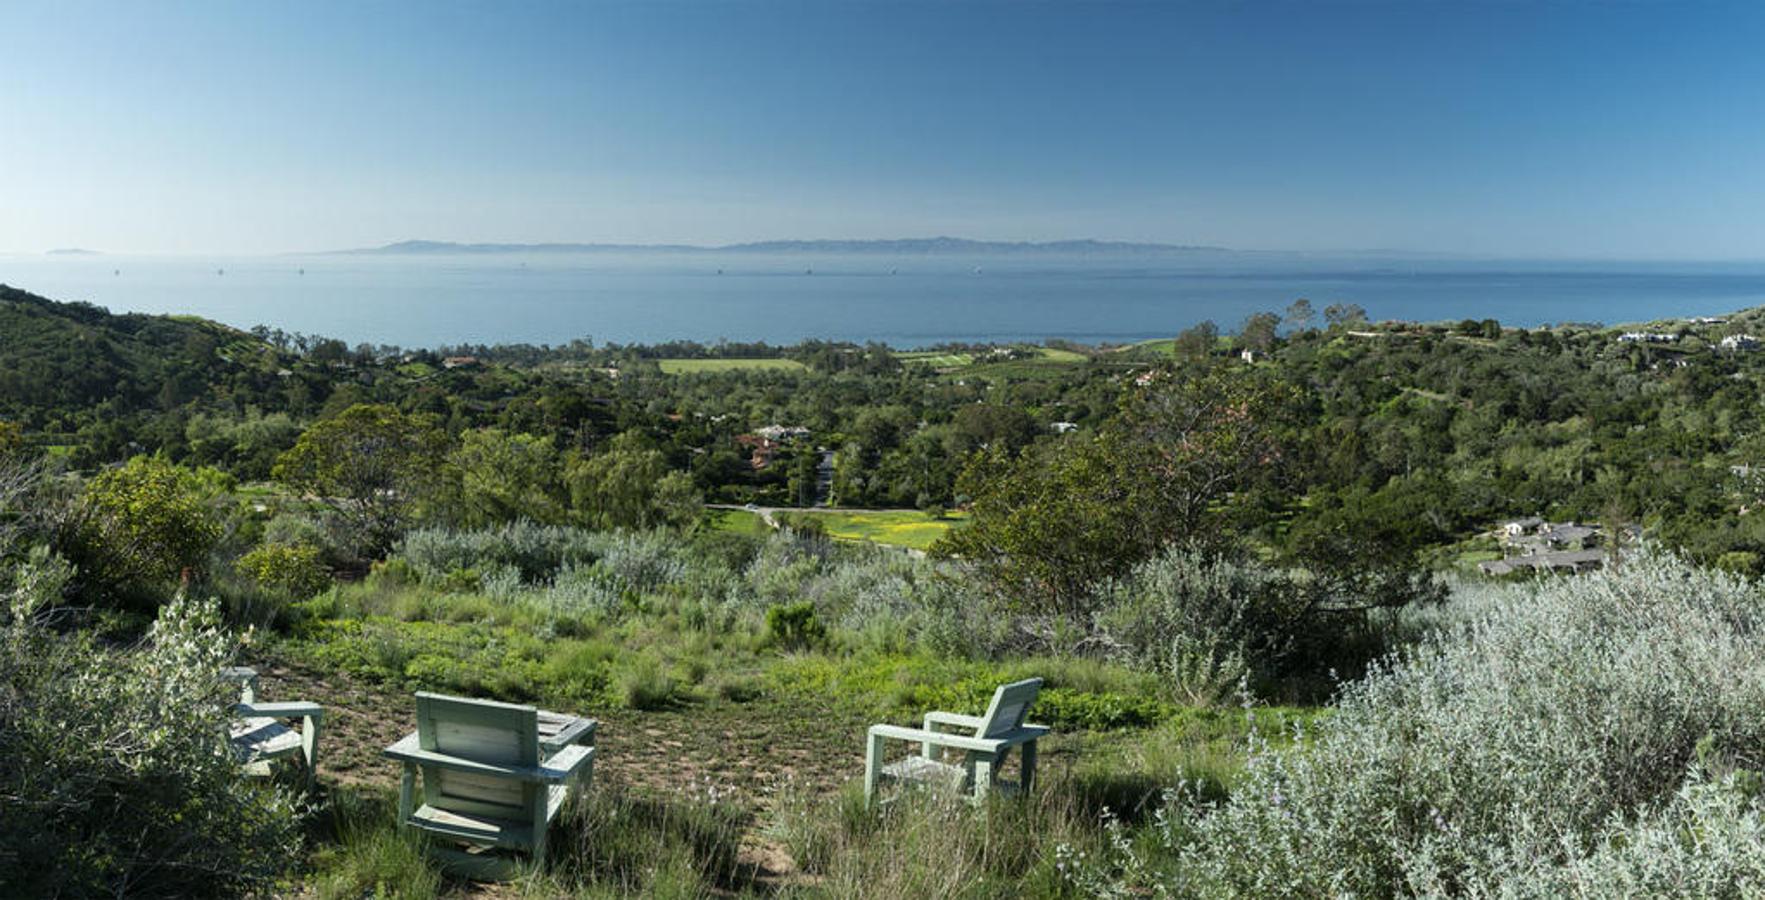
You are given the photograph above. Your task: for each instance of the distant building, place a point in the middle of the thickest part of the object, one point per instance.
(782, 432)
(1063, 427)
(459, 362)
(761, 450)
(1248, 355)
(1519, 527)
(1735, 343)
(1647, 337)
(1708, 320)
(1568, 561)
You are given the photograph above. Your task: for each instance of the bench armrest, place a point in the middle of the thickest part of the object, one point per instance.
(284, 710)
(567, 761)
(577, 730)
(952, 720)
(937, 738)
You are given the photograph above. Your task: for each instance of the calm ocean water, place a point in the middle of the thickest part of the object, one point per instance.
(904, 300)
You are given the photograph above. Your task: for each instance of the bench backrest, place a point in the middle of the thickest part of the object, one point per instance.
(1011, 703)
(504, 734)
(246, 678)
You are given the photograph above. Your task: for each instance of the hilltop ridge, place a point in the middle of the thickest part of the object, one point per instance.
(903, 246)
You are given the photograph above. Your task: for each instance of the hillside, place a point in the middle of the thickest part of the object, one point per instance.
(60, 359)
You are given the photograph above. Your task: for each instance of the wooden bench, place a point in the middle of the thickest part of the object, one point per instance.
(981, 742)
(261, 734)
(494, 775)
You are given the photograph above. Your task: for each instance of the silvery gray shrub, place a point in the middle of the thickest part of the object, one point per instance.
(1598, 735)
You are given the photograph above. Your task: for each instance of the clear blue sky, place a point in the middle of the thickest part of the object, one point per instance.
(1559, 129)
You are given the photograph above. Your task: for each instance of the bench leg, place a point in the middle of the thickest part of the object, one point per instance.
(407, 794)
(980, 767)
(541, 825)
(1027, 760)
(873, 763)
(309, 745)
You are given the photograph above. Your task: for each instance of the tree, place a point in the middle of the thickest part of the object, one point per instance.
(1300, 315)
(1258, 332)
(1197, 342)
(805, 478)
(372, 465)
(629, 485)
(1345, 315)
(1052, 524)
(503, 477)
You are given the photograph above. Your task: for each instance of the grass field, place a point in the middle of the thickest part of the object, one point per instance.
(896, 528)
(938, 360)
(735, 521)
(934, 359)
(692, 366)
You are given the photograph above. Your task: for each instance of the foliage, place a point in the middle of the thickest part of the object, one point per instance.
(371, 464)
(290, 571)
(504, 477)
(1209, 623)
(115, 765)
(536, 551)
(368, 855)
(1052, 525)
(629, 485)
(1566, 734)
(793, 625)
(136, 530)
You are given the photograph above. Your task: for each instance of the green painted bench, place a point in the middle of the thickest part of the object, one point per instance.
(494, 775)
(980, 742)
(262, 734)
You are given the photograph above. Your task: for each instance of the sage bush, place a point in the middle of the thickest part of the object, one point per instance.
(1597, 735)
(115, 774)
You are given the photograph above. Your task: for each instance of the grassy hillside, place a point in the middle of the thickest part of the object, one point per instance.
(696, 366)
(62, 357)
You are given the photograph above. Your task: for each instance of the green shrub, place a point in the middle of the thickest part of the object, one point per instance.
(137, 531)
(643, 682)
(290, 571)
(115, 768)
(794, 625)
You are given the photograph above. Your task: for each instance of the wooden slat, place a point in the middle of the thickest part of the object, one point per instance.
(263, 738)
(479, 829)
(489, 789)
(557, 769)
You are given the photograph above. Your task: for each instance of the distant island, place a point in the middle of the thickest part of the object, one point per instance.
(933, 246)
(72, 251)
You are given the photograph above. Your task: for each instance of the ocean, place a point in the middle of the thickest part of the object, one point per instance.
(905, 301)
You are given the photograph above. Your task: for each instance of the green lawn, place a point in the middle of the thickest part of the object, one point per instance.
(934, 359)
(897, 528)
(938, 360)
(691, 366)
(735, 521)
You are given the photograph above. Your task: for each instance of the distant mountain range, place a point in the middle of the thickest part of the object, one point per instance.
(900, 246)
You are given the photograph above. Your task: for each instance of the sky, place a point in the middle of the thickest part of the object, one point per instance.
(1550, 129)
